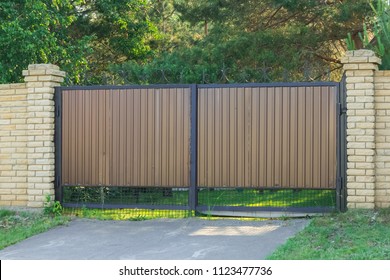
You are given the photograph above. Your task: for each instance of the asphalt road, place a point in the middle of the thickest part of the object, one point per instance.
(163, 239)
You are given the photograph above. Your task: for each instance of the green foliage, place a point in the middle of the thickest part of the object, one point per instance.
(191, 41)
(77, 35)
(127, 214)
(381, 30)
(376, 32)
(121, 31)
(354, 235)
(18, 225)
(350, 43)
(138, 218)
(208, 197)
(40, 32)
(52, 208)
(252, 41)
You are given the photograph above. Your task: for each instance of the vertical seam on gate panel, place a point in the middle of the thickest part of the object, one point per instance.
(321, 135)
(193, 148)
(266, 138)
(84, 176)
(58, 144)
(304, 157)
(328, 100)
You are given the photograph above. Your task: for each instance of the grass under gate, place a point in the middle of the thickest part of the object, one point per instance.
(206, 196)
(209, 197)
(354, 235)
(18, 225)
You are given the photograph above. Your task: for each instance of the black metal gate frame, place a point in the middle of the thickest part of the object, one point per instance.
(341, 192)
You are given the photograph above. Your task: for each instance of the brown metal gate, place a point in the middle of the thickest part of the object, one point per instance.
(196, 138)
(267, 136)
(126, 137)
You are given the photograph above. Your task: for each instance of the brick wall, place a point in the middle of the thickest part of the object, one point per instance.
(368, 130)
(27, 137)
(13, 145)
(382, 138)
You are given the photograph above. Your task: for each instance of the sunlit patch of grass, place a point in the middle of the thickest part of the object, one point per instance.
(100, 197)
(355, 235)
(126, 214)
(206, 196)
(267, 198)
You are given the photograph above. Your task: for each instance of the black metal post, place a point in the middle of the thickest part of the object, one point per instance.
(193, 193)
(58, 144)
(343, 141)
(341, 190)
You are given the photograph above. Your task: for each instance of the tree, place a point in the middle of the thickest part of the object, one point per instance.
(81, 36)
(121, 32)
(179, 40)
(39, 32)
(172, 31)
(256, 40)
(376, 33)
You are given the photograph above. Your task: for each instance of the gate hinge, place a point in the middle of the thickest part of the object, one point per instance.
(341, 109)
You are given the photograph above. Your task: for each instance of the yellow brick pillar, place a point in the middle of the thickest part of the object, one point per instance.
(360, 67)
(41, 80)
(382, 139)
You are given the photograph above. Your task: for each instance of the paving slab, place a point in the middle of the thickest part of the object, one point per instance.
(161, 239)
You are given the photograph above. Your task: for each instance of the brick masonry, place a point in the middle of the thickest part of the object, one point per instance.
(13, 145)
(27, 137)
(382, 138)
(368, 130)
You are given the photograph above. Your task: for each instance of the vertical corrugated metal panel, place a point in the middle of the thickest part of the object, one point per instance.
(126, 137)
(301, 150)
(65, 139)
(253, 141)
(262, 138)
(332, 135)
(201, 140)
(267, 137)
(253, 136)
(309, 113)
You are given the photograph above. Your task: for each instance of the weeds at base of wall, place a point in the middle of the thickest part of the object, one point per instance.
(53, 208)
(17, 225)
(355, 235)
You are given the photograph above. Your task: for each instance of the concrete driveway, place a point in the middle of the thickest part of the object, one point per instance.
(164, 239)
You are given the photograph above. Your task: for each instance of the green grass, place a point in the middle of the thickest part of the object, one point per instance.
(18, 225)
(266, 198)
(209, 197)
(126, 214)
(206, 196)
(355, 235)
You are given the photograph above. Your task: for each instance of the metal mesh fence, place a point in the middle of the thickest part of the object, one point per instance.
(129, 203)
(126, 203)
(279, 198)
(126, 196)
(126, 213)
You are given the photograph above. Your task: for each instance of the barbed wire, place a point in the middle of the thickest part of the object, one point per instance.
(225, 75)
